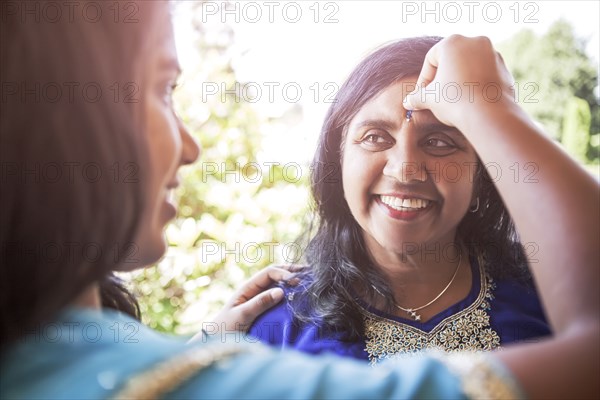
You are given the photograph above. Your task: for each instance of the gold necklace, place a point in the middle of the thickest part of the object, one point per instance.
(413, 311)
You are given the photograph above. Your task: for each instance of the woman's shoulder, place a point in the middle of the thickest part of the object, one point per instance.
(517, 310)
(286, 326)
(515, 290)
(512, 283)
(271, 326)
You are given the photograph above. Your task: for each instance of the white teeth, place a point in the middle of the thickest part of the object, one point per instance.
(404, 204)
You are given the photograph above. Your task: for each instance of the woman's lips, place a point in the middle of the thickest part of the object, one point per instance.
(169, 204)
(170, 210)
(404, 208)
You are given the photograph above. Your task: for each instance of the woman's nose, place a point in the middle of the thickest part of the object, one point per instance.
(405, 164)
(190, 148)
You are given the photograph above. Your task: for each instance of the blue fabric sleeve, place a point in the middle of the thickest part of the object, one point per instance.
(291, 375)
(96, 354)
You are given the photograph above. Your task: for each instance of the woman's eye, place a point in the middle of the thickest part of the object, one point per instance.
(439, 146)
(439, 143)
(373, 138)
(167, 92)
(376, 139)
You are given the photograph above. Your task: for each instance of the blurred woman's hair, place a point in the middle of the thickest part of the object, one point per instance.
(72, 133)
(336, 252)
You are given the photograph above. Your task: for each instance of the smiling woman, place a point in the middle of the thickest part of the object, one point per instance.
(414, 248)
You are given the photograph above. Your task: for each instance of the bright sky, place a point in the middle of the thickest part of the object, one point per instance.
(313, 45)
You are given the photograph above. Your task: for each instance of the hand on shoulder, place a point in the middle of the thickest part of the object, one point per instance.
(252, 299)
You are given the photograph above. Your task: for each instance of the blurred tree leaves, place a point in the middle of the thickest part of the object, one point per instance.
(237, 213)
(577, 123)
(550, 70)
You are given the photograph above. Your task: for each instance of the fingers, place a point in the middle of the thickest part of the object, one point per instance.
(280, 273)
(260, 282)
(257, 305)
(430, 66)
(263, 301)
(298, 267)
(413, 101)
(292, 267)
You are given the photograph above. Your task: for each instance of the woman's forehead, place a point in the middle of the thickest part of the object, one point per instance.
(162, 39)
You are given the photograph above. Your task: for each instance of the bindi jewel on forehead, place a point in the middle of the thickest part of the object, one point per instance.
(408, 115)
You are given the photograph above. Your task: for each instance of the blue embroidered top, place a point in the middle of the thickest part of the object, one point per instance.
(493, 314)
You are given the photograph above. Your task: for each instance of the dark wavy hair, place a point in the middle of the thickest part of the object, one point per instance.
(45, 222)
(336, 253)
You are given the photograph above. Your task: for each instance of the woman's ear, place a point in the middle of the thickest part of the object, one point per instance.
(477, 186)
(474, 205)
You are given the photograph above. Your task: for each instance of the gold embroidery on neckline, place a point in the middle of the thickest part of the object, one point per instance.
(467, 330)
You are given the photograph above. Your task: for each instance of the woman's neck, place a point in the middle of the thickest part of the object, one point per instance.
(417, 278)
(89, 298)
(423, 264)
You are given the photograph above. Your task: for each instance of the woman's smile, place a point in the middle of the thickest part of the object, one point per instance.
(403, 207)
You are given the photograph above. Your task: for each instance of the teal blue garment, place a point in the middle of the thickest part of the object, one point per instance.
(89, 354)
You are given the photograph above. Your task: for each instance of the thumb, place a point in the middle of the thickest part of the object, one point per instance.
(415, 100)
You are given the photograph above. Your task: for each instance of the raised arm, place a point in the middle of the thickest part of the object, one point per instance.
(556, 210)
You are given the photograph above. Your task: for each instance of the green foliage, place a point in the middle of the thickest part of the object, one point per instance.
(576, 131)
(236, 212)
(549, 71)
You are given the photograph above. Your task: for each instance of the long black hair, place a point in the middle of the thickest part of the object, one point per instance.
(67, 217)
(337, 254)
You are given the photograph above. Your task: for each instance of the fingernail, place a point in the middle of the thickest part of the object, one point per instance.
(277, 294)
(293, 281)
(406, 104)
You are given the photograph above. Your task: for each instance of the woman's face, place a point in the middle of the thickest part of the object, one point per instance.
(170, 144)
(408, 184)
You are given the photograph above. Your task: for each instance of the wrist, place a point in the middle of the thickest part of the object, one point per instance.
(478, 115)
